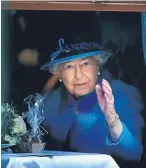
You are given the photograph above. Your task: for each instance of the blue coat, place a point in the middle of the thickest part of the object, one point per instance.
(83, 121)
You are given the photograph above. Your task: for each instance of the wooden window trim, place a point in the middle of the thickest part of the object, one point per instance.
(76, 5)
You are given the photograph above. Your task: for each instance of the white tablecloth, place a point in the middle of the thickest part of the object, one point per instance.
(65, 161)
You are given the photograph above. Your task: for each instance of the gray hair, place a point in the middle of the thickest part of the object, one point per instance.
(101, 60)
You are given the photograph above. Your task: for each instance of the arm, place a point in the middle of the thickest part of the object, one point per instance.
(125, 131)
(50, 83)
(57, 125)
(126, 135)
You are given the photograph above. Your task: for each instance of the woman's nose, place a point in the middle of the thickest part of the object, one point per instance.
(78, 72)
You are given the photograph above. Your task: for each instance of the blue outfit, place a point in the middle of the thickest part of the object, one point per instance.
(87, 129)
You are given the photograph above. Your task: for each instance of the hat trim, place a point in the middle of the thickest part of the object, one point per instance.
(71, 58)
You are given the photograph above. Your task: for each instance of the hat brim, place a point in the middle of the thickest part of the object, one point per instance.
(73, 57)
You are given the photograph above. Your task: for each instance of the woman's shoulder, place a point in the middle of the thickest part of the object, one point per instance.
(124, 88)
(53, 95)
(126, 94)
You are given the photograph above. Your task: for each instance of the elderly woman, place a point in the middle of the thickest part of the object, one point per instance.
(92, 112)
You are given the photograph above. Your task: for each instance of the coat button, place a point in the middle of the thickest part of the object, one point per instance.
(77, 110)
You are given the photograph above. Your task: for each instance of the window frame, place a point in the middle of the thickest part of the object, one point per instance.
(77, 5)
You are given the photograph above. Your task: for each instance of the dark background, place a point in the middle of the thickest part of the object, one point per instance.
(119, 31)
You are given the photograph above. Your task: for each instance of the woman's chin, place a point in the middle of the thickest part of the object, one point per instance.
(81, 92)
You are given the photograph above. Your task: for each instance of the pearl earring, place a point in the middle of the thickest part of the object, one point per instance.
(98, 72)
(60, 80)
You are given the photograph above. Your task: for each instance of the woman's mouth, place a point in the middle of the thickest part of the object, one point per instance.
(81, 84)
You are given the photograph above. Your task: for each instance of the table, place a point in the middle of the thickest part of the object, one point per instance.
(57, 159)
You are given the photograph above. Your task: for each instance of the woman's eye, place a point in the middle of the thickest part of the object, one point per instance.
(69, 67)
(87, 63)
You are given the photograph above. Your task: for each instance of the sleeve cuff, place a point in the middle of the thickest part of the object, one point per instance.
(109, 141)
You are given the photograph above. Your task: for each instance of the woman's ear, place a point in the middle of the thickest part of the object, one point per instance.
(59, 76)
(98, 60)
(98, 67)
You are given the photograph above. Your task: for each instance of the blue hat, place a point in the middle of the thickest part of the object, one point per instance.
(72, 52)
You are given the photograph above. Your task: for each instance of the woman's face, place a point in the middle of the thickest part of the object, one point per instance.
(79, 76)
